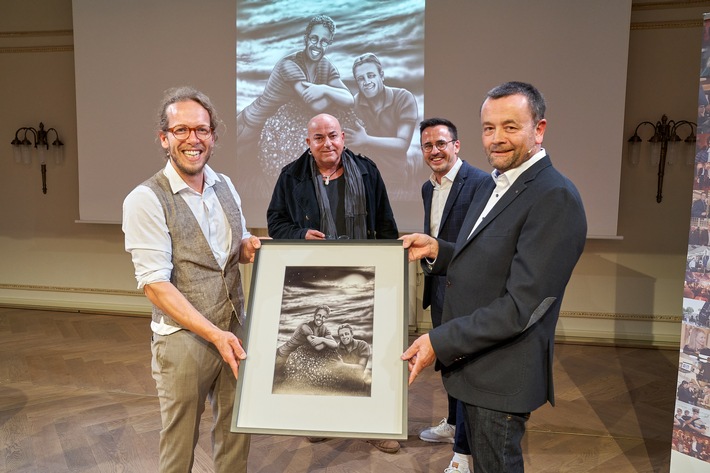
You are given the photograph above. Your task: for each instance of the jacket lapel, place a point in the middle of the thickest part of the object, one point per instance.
(428, 193)
(483, 192)
(456, 187)
(515, 191)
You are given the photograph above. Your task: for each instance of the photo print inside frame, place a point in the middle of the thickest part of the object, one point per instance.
(325, 331)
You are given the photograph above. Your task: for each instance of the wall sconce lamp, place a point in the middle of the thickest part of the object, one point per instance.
(664, 146)
(22, 148)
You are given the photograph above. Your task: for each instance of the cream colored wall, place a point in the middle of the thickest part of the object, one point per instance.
(45, 258)
(627, 290)
(640, 278)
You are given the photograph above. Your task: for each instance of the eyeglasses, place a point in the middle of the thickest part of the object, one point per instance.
(182, 132)
(440, 145)
(323, 43)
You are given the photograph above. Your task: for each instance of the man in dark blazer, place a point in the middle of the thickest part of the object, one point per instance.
(446, 196)
(505, 278)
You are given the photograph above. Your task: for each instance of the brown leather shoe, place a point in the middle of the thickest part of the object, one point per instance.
(387, 446)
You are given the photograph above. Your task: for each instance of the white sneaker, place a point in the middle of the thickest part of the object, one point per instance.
(443, 432)
(454, 467)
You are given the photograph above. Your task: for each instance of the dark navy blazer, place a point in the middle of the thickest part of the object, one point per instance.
(504, 291)
(462, 190)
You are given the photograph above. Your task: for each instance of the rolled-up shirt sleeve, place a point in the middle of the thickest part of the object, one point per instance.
(147, 238)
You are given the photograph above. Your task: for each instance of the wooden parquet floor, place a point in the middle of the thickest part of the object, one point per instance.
(76, 395)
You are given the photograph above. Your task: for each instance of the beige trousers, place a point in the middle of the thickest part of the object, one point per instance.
(188, 371)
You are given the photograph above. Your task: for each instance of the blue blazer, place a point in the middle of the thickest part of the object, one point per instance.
(462, 190)
(504, 291)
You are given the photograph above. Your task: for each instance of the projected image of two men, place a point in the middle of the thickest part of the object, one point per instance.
(362, 64)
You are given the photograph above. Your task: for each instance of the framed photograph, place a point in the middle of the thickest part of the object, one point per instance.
(325, 329)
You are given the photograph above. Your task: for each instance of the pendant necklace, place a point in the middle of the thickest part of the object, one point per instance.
(326, 179)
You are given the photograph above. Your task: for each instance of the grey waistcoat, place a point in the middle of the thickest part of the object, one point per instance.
(216, 294)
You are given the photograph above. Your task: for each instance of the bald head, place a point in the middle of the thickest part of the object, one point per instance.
(326, 140)
(323, 119)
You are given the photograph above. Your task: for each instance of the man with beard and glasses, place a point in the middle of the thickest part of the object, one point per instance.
(186, 233)
(446, 196)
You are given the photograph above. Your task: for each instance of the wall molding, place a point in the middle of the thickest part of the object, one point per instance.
(666, 25)
(608, 329)
(75, 299)
(24, 35)
(621, 316)
(80, 290)
(589, 328)
(36, 49)
(666, 5)
(35, 34)
(138, 293)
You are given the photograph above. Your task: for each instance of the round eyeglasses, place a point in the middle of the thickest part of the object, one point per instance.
(182, 132)
(440, 145)
(323, 43)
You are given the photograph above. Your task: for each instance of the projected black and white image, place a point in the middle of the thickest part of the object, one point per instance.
(325, 331)
(362, 63)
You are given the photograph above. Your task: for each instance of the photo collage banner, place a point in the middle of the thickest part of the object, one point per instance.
(691, 418)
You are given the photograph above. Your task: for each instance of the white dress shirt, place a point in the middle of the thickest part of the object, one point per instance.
(503, 182)
(440, 195)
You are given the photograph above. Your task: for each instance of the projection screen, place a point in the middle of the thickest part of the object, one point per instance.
(468, 48)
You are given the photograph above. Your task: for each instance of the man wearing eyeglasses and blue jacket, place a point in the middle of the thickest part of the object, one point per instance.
(446, 195)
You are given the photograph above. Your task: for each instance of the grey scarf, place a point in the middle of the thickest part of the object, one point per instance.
(355, 212)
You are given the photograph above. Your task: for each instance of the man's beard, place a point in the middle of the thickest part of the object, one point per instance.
(190, 171)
